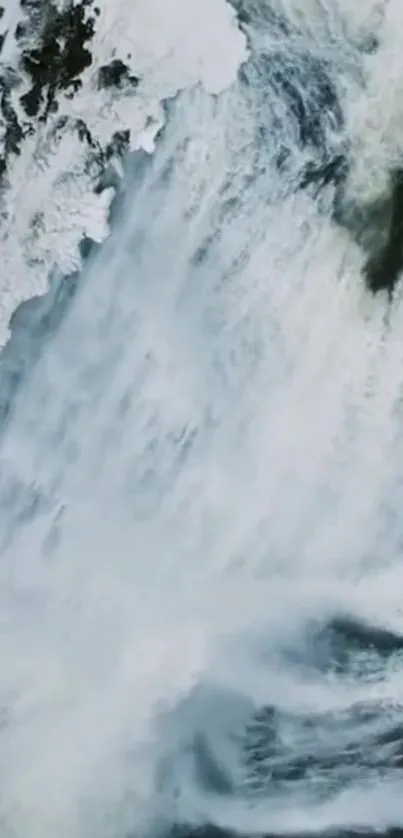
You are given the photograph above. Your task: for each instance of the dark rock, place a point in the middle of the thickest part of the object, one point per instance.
(382, 272)
(377, 227)
(84, 133)
(116, 74)
(119, 145)
(117, 149)
(55, 50)
(88, 248)
(14, 132)
(32, 101)
(20, 30)
(59, 56)
(54, 44)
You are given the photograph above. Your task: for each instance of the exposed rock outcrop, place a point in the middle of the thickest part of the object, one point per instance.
(116, 74)
(55, 50)
(384, 268)
(56, 60)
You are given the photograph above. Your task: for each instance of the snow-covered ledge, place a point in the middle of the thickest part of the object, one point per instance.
(110, 70)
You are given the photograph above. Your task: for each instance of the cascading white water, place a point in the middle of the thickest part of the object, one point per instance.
(202, 470)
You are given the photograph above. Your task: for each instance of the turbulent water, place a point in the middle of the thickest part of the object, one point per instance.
(201, 474)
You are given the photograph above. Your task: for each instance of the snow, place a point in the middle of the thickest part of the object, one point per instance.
(49, 203)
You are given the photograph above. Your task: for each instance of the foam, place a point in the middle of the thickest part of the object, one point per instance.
(212, 449)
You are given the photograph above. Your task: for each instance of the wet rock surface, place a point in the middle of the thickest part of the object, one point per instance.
(383, 270)
(377, 227)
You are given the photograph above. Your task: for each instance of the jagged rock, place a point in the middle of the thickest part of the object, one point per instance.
(58, 58)
(377, 227)
(13, 130)
(55, 51)
(116, 74)
(119, 144)
(383, 270)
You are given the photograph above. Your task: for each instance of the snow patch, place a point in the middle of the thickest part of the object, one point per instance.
(48, 202)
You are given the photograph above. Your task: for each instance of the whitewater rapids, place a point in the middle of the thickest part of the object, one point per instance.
(201, 477)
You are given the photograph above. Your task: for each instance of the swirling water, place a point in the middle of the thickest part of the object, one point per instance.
(200, 484)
